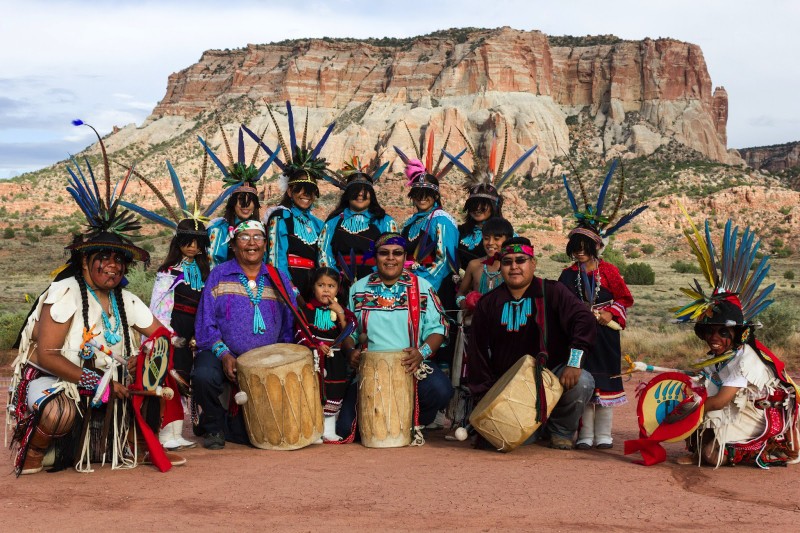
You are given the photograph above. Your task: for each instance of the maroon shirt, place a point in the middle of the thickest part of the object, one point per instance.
(492, 350)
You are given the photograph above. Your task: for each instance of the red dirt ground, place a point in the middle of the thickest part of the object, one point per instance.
(440, 486)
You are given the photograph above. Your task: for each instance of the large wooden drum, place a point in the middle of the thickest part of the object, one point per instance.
(506, 415)
(385, 400)
(283, 410)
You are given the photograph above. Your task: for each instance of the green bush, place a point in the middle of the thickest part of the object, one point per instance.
(49, 230)
(633, 254)
(10, 324)
(648, 248)
(140, 283)
(639, 274)
(789, 274)
(614, 257)
(685, 267)
(780, 321)
(9, 233)
(634, 241)
(561, 257)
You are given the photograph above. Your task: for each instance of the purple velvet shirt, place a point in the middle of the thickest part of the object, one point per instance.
(225, 313)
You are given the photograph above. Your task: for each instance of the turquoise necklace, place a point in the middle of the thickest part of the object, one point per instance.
(303, 228)
(111, 335)
(322, 318)
(258, 321)
(192, 275)
(356, 222)
(516, 313)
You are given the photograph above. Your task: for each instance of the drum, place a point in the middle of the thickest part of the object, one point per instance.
(283, 409)
(385, 400)
(506, 415)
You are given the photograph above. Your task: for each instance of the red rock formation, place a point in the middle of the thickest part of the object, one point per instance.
(773, 158)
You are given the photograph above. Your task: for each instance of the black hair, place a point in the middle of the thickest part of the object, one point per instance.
(230, 206)
(124, 319)
(741, 334)
(310, 189)
(174, 255)
(582, 243)
(517, 240)
(498, 226)
(320, 273)
(421, 192)
(352, 192)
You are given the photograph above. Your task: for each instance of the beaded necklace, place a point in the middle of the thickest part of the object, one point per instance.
(323, 318)
(111, 335)
(192, 275)
(354, 222)
(258, 321)
(303, 229)
(489, 280)
(516, 313)
(387, 296)
(473, 239)
(589, 293)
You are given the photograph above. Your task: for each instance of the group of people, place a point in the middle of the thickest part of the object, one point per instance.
(254, 277)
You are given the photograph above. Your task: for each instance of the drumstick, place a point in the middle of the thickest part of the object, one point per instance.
(164, 392)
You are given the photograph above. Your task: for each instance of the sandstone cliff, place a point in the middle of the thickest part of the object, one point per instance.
(642, 94)
(773, 158)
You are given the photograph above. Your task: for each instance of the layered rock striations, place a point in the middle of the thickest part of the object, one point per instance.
(641, 94)
(773, 158)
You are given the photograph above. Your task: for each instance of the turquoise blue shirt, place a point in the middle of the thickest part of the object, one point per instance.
(444, 232)
(277, 233)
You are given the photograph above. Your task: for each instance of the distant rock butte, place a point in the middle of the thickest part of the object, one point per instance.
(773, 158)
(641, 93)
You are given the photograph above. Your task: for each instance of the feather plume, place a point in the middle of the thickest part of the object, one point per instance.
(106, 169)
(499, 171)
(96, 195)
(287, 157)
(454, 160)
(240, 151)
(379, 172)
(231, 160)
(584, 196)
(429, 153)
(121, 186)
(492, 166)
(220, 199)
(501, 182)
(264, 147)
(624, 220)
(176, 186)
(620, 193)
(400, 153)
(322, 141)
(198, 199)
(150, 215)
(441, 155)
(570, 196)
(413, 142)
(271, 159)
(700, 248)
(601, 198)
(258, 144)
(292, 136)
(156, 191)
(343, 267)
(470, 149)
(305, 130)
(214, 157)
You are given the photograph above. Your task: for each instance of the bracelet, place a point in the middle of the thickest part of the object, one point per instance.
(575, 356)
(425, 350)
(460, 298)
(220, 349)
(89, 379)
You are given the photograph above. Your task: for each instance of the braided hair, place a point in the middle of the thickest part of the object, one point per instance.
(84, 299)
(124, 318)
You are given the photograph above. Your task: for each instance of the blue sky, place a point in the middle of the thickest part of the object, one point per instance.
(107, 61)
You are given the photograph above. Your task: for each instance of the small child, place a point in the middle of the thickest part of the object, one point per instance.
(327, 319)
(483, 274)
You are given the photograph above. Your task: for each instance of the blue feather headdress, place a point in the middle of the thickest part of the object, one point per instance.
(108, 226)
(196, 214)
(355, 173)
(487, 177)
(592, 220)
(420, 174)
(302, 162)
(735, 272)
(239, 174)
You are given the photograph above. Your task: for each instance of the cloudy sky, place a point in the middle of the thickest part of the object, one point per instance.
(107, 61)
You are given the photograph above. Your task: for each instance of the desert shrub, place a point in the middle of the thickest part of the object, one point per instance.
(634, 241)
(10, 324)
(789, 274)
(9, 233)
(140, 283)
(633, 254)
(780, 321)
(548, 247)
(685, 267)
(648, 248)
(49, 230)
(639, 274)
(561, 257)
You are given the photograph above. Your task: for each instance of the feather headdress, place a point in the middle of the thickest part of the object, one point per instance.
(302, 163)
(592, 220)
(182, 212)
(108, 226)
(487, 177)
(419, 174)
(734, 277)
(239, 173)
(355, 173)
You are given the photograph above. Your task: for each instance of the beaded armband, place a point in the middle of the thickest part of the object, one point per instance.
(219, 349)
(575, 356)
(460, 298)
(89, 379)
(426, 351)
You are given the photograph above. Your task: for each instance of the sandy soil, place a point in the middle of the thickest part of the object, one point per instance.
(440, 486)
